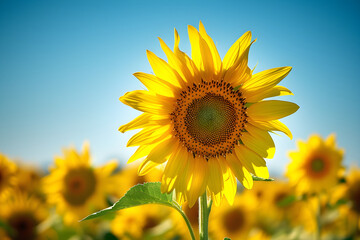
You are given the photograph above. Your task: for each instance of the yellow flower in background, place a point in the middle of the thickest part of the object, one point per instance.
(207, 118)
(141, 222)
(75, 187)
(24, 215)
(350, 190)
(234, 222)
(316, 166)
(7, 175)
(29, 179)
(128, 177)
(274, 202)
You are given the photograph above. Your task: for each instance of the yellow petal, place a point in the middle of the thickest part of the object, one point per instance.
(230, 183)
(198, 180)
(146, 166)
(164, 71)
(241, 173)
(215, 182)
(155, 84)
(107, 169)
(149, 135)
(253, 162)
(160, 153)
(176, 163)
(142, 151)
(195, 47)
(254, 144)
(174, 167)
(236, 50)
(175, 62)
(271, 110)
(144, 120)
(239, 72)
(144, 101)
(275, 125)
(214, 52)
(266, 79)
(201, 54)
(264, 140)
(331, 140)
(186, 60)
(184, 179)
(257, 96)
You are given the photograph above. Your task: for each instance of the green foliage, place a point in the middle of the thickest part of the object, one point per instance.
(7, 228)
(141, 194)
(287, 201)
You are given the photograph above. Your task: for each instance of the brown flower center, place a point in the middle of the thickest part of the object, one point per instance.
(354, 195)
(24, 225)
(318, 167)
(80, 184)
(233, 220)
(209, 118)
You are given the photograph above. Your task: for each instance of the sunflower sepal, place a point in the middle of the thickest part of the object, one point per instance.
(256, 178)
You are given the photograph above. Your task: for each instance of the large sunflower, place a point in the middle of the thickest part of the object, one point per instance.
(75, 187)
(316, 166)
(206, 117)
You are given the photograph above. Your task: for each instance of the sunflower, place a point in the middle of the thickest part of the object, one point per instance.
(7, 175)
(75, 187)
(234, 222)
(275, 204)
(128, 177)
(141, 222)
(206, 117)
(23, 214)
(29, 179)
(350, 190)
(317, 166)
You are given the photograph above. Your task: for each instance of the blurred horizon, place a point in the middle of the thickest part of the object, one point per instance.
(64, 65)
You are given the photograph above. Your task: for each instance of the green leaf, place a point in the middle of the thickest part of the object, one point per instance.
(287, 201)
(7, 228)
(140, 194)
(227, 238)
(256, 178)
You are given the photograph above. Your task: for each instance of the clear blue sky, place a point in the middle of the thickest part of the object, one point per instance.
(64, 64)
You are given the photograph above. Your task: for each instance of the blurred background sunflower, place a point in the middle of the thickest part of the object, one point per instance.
(75, 186)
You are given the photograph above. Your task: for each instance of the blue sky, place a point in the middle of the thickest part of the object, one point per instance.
(64, 64)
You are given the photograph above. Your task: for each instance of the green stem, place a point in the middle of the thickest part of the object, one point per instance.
(204, 212)
(318, 219)
(188, 224)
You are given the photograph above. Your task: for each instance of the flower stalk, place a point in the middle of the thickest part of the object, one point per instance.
(204, 213)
